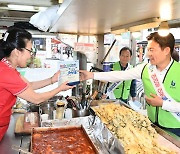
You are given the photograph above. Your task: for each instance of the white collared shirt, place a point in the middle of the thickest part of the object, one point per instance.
(161, 74)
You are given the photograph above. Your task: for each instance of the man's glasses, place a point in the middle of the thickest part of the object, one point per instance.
(31, 51)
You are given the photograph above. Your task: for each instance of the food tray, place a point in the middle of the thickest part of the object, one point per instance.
(104, 141)
(67, 139)
(103, 101)
(171, 137)
(168, 140)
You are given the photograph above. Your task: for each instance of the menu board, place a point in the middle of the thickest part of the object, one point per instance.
(69, 71)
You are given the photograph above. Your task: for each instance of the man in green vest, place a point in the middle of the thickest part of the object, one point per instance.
(129, 86)
(160, 79)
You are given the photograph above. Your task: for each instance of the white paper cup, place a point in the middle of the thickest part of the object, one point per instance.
(68, 113)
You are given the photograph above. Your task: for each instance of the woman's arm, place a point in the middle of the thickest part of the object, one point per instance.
(42, 83)
(30, 95)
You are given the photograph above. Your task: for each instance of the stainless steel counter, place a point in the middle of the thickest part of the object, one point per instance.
(11, 139)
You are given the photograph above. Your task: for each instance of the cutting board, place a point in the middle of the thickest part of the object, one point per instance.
(23, 126)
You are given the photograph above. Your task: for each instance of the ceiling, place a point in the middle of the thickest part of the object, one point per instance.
(98, 16)
(107, 16)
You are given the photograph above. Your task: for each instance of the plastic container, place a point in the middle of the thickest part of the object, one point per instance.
(60, 111)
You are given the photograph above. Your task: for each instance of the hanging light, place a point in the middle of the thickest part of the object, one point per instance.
(26, 7)
(163, 29)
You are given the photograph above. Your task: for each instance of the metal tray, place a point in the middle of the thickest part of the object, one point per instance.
(103, 101)
(62, 128)
(104, 141)
(171, 139)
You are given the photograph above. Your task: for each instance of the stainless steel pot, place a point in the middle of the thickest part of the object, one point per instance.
(47, 108)
(80, 113)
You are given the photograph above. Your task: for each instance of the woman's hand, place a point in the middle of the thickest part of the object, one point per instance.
(55, 77)
(85, 75)
(154, 100)
(64, 86)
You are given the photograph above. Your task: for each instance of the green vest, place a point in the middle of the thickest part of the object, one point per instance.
(122, 91)
(172, 86)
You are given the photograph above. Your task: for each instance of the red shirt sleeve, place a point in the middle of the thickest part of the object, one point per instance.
(12, 81)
